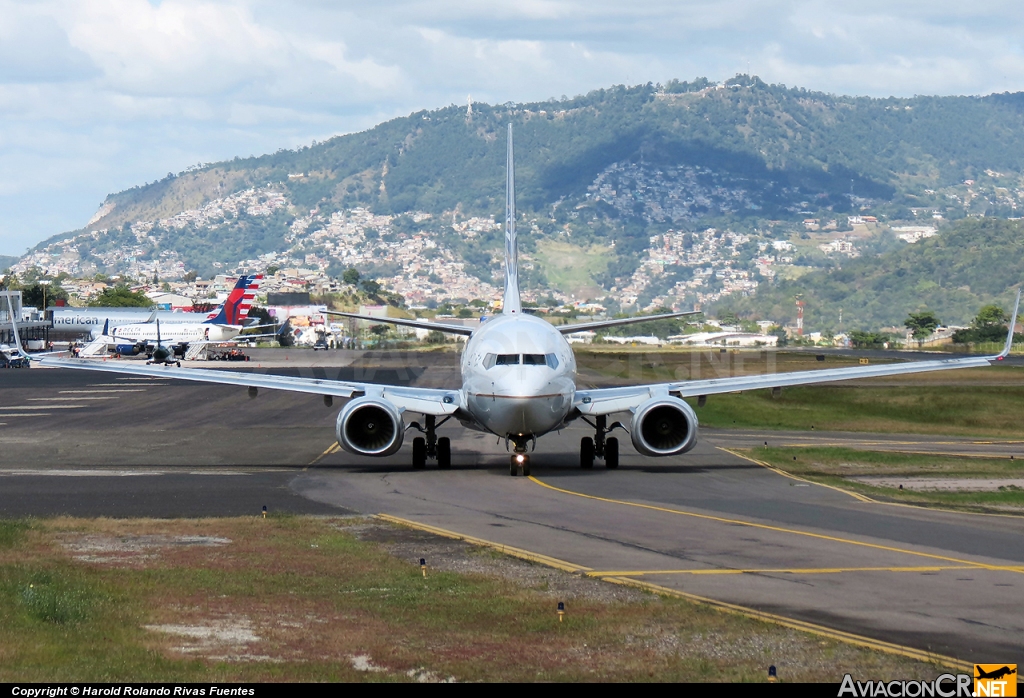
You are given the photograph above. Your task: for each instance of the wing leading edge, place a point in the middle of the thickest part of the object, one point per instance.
(608, 400)
(422, 400)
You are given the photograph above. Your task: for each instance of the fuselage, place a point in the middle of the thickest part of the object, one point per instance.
(175, 334)
(518, 376)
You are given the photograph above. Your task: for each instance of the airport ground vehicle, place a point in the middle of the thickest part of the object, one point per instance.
(519, 383)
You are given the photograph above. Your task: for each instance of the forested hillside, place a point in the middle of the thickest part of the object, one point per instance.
(705, 170)
(975, 262)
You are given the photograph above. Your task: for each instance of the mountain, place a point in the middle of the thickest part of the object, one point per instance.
(971, 264)
(600, 175)
(7, 262)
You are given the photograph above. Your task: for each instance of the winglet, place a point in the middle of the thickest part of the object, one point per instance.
(14, 326)
(1009, 335)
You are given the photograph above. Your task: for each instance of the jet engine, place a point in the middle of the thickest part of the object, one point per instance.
(664, 426)
(369, 426)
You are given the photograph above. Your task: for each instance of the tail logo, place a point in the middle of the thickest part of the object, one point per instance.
(239, 301)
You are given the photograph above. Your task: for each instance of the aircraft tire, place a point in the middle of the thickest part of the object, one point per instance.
(586, 453)
(526, 466)
(444, 453)
(513, 468)
(611, 453)
(419, 453)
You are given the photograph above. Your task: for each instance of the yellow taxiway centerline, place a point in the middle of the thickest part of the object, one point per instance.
(333, 448)
(818, 630)
(795, 570)
(783, 473)
(778, 529)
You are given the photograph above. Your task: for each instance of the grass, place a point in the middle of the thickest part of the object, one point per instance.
(969, 402)
(296, 598)
(950, 410)
(837, 466)
(571, 268)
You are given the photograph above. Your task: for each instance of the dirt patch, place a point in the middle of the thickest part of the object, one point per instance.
(226, 640)
(131, 550)
(449, 555)
(944, 484)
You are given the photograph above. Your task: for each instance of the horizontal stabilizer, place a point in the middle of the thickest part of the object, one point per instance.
(600, 324)
(422, 324)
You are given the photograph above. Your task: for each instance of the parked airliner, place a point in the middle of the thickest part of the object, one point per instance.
(519, 383)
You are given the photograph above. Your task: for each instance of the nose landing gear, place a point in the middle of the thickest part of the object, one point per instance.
(431, 446)
(520, 462)
(599, 446)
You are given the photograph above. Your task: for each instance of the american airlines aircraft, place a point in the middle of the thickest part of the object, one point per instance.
(519, 383)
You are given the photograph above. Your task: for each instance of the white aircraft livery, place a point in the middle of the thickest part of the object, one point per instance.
(519, 383)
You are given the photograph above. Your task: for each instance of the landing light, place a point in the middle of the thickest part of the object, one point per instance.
(520, 458)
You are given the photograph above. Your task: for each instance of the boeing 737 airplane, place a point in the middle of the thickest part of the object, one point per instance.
(519, 383)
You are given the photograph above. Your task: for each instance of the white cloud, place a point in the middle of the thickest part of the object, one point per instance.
(98, 95)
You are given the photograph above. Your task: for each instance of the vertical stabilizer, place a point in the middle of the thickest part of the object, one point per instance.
(510, 304)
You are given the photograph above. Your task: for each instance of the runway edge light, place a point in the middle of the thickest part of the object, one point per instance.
(264, 511)
(773, 675)
(561, 610)
(423, 566)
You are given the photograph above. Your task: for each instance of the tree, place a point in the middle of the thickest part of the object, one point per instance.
(370, 286)
(121, 296)
(191, 276)
(40, 295)
(989, 325)
(868, 340)
(350, 277)
(922, 324)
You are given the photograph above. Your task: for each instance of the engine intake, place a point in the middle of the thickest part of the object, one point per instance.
(370, 426)
(664, 427)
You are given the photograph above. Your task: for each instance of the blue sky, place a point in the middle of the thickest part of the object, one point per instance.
(100, 95)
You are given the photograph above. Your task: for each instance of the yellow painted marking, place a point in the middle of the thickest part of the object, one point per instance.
(819, 630)
(333, 448)
(797, 570)
(507, 549)
(859, 497)
(777, 529)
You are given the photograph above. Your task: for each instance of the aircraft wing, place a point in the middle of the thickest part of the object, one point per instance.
(422, 324)
(609, 400)
(422, 400)
(600, 324)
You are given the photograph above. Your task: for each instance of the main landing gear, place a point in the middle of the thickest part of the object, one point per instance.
(431, 446)
(599, 446)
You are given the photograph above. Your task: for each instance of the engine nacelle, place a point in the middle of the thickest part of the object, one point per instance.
(664, 426)
(370, 426)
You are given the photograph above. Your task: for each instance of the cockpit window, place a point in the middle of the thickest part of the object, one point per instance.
(492, 360)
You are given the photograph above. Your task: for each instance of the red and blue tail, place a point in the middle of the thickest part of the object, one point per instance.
(236, 307)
